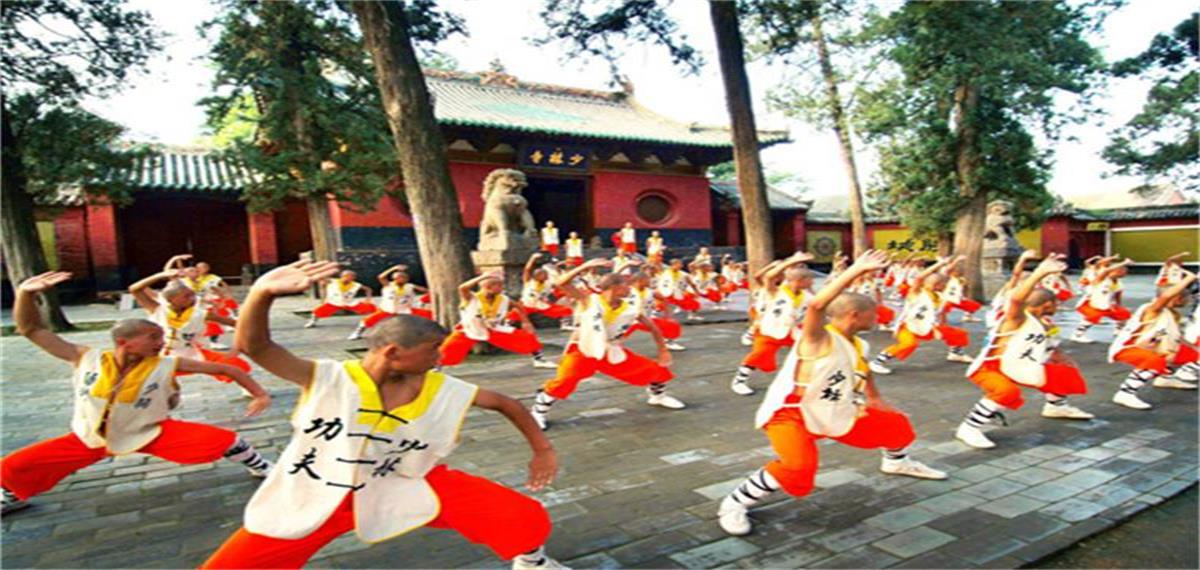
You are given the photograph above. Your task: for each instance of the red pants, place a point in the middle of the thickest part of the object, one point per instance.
(39, 467)
(714, 295)
(553, 311)
(1063, 295)
(670, 328)
(221, 358)
(907, 341)
(374, 318)
(762, 354)
(1185, 355)
(1061, 380)
(796, 466)
(1142, 359)
(965, 305)
(456, 346)
(628, 247)
(903, 289)
(884, 314)
(483, 512)
(213, 329)
(574, 367)
(575, 260)
(552, 248)
(687, 302)
(1093, 315)
(728, 288)
(325, 310)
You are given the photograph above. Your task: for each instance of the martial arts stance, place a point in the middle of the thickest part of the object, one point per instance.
(340, 296)
(785, 288)
(368, 438)
(122, 404)
(1149, 343)
(825, 390)
(595, 347)
(484, 317)
(1019, 352)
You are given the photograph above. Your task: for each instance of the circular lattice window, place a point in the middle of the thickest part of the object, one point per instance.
(653, 208)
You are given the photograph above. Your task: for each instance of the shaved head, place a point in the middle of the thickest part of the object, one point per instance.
(174, 289)
(846, 303)
(936, 279)
(1039, 296)
(405, 331)
(129, 328)
(611, 280)
(797, 273)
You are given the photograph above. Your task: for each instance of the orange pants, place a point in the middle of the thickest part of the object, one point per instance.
(483, 512)
(574, 367)
(884, 314)
(1185, 355)
(552, 248)
(456, 346)
(762, 354)
(903, 289)
(374, 318)
(687, 302)
(628, 247)
(728, 288)
(1142, 359)
(328, 310)
(1093, 315)
(965, 305)
(551, 312)
(1061, 380)
(907, 341)
(714, 295)
(1063, 295)
(796, 449)
(670, 328)
(39, 467)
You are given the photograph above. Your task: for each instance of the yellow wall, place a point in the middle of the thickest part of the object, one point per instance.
(1152, 246)
(45, 231)
(900, 241)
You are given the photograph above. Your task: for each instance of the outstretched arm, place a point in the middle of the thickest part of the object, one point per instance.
(468, 287)
(565, 281)
(1172, 291)
(141, 289)
(813, 328)
(527, 272)
(1108, 271)
(384, 276)
(775, 272)
(544, 464)
(919, 280)
(1019, 267)
(176, 262)
(261, 399)
(253, 333)
(1053, 264)
(1175, 259)
(29, 322)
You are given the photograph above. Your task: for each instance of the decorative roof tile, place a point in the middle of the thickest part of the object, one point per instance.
(776, 198)
(1148, 213)
(493, 100)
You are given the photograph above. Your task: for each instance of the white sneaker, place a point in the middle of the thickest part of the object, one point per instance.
(665, 401)
(910, 467)
(953, 357)
(973, 437)
(1081, 339)
(741, 388)
(879, 368)
(1173, 382)
(747, 340)
(1187, 374)
(734, 518)
(543, 363)
(356, 335)
(566, 327)
(540, 418)
(547, 564)
(1064, 411)
(672, 345)
(1128, 400)
(217, 346)
(310, 324)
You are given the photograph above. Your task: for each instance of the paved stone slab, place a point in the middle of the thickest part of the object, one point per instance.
(1074, 510)
(847, 538)
(861, 557)
(901, 519)
(994, 489)
(1033, 475)
(1145, 455)
(715, 554)
(913, 542)
(1012, 506)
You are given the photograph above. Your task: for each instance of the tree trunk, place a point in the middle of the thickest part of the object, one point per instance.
(23, 256)
(756, 212)
(320, 225)
(858, 226)
(422, 152)
(970, 223)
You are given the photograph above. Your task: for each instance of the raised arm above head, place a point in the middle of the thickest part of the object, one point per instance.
(565, 282)
(468, 287)
(1019, 267)
(141, 289)
(253, 333)
(1171, 291)
(29, 322)
(814, 316)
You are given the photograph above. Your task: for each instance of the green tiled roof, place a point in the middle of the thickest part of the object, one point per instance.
(776, 198)
(491, 100)
(191, 170)
(1191, 211)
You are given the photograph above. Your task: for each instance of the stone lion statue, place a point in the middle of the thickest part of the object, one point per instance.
(506, 223)
(998, 227)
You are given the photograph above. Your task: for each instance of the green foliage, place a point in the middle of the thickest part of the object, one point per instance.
(319, 126)
(1163, 140)
(1015, 57)
(65, 145)
(598, 29)
(239, 125)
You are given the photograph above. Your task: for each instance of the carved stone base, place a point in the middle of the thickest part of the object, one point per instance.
(508, 261)
(996, 265)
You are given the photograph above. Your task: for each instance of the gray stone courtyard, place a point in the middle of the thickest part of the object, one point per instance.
(639, 486)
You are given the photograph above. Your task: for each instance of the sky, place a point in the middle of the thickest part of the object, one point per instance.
(161, 105)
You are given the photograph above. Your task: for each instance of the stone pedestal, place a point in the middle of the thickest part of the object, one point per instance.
(510, 262)
(996, 264)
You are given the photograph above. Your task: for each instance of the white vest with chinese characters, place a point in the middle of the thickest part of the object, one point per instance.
(121, 415)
